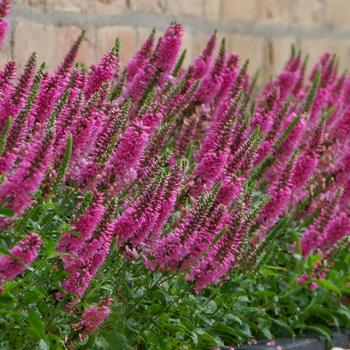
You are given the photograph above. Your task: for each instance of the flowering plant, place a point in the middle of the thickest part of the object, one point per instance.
(123, 185)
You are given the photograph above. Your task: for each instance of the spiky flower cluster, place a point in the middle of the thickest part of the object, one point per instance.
(172, 159)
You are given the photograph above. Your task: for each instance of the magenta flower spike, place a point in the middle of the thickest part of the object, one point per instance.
(286, 82)
(168, 200)
(337, 228)
(6, 76)
(220, 257)
(202, 63)
(120, 170)
(167, 51)
(341, 126)
(210, 167)
(304, 169)
(280, 193)
(230, 189)
(19, 187)
(321, 64)
(13, 105)
(88, 260)
(84, 140)
(49, 94)
(72, 242)
(136, 88)
(229, 75)
(198, 243)
(26, 252)
(5, 6)
(212, 81)
(68, 61)
(4, 25)
(100, 73)
(141, 58)
(67, 120)
(266, 110)
(294, 138)
(94, 316)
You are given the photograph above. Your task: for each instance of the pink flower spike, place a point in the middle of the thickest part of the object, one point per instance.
(168, 49)
(141, 58)
(4, 27)
(94, 316)
(5, 8)
(26, 252)
(313, 285)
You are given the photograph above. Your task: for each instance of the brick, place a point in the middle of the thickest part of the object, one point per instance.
(40, 38)
(238, 10)
(66, 36)
(274, 11)
(156, 6)
(249, 47)
(307, 12)
(337, 13)
(192, 8)
(106, 7)
(106, 38)
(212, 10)
(36, 4)
(70, 6)
(100, 7)
(276, 54)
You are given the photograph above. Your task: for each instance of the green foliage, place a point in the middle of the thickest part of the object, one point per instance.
(160, 310)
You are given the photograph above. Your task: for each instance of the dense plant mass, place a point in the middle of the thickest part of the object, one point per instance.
(168, 207)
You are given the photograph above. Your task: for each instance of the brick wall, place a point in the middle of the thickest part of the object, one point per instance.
(259, 29)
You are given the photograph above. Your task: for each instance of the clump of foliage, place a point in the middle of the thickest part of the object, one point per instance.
(161, 206)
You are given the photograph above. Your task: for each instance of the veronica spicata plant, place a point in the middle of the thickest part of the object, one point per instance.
(116, 181)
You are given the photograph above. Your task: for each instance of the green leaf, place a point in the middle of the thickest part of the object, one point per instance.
(233, 318)
(7, 212)
(224, 329)
(344, 311)
(284, 325)
(267, 333)
(6, 299)
(194, 337)
(36, 325)
(208, 340)
(245, 331)
(32, 296)
(327, 284)
(211, 307)
(117, 341)
(320, 329)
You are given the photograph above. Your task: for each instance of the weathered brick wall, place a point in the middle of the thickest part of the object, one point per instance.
(259, 29)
